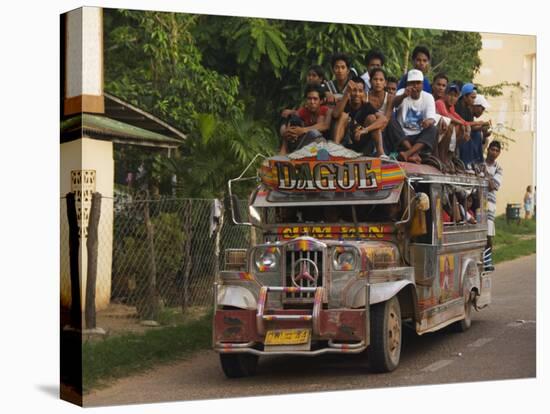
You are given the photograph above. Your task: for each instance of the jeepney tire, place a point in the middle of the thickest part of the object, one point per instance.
(239, 365)
(464, 324)
(386, 334)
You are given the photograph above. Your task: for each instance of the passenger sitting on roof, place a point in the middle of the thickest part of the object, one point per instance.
(415, 112)
(391, 85)
(439, 86)
(315, 75)
(358, 124)
(457, 129)
(392, 133)
(340, 64)
(374, 59)
(421, 62)
(307, 123)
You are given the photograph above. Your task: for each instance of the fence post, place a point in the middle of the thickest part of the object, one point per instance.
(74, 244)
(91, 245)
(218, 239)
(187, 261)
(152, 307)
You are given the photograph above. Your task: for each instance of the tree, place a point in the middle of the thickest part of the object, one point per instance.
(455, 54)
(219, 152)
(152, 61)
(234, 46)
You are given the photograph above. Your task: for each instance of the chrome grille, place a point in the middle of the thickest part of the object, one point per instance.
(299, 265)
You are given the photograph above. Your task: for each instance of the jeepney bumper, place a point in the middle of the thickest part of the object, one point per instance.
(326, 331)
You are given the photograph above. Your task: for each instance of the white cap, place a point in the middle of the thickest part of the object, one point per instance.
(480, 100)
(415, 75)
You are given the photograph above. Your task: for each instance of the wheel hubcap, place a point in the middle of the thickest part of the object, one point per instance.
(394, 334)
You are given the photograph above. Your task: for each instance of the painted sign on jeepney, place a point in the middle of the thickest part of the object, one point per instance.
(318, 169)
(378, 232)
(446, 277)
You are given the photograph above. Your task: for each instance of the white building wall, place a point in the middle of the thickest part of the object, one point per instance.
(88, 154)
(512, 58)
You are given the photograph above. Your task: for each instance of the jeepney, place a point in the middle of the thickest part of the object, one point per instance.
(350, 248)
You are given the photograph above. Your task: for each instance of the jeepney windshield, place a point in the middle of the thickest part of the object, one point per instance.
(332, 214)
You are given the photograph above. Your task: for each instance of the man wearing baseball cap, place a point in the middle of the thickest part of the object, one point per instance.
(471, 152)
(415, 112)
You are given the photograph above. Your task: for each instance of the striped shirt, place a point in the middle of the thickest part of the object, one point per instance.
(494, 171)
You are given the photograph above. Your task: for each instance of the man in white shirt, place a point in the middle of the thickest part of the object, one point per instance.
(415, 112)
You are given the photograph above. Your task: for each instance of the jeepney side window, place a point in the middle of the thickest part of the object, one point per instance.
(449, 206)
(428, 237)
(472, 206)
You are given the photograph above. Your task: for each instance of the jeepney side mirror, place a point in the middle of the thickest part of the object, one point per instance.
(236, 210)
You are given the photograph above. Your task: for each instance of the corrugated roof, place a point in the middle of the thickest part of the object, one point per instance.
(122, 111)
(102, 127)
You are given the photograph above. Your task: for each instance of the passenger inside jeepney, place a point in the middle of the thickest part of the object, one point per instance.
(470, 210)
(379, 212)
(446, 209)
(314, 214)
(332, 214)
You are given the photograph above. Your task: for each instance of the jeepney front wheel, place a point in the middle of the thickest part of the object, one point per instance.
(239, 365)
(384, 350)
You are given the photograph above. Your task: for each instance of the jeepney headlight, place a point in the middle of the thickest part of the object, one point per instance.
(343, 259)
(267, 259)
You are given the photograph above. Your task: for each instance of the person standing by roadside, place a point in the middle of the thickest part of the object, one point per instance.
(494, 175)
(528, 202)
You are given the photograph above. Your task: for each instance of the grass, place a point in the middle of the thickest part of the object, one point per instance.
(122, 355)
(514, 239)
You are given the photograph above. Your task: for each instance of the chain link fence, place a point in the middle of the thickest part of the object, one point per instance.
(162, 252)
(169, 244)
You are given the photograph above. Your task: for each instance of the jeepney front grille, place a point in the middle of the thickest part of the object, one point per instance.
(298, 261)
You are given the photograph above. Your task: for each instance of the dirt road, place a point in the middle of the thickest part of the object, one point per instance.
(501, 344)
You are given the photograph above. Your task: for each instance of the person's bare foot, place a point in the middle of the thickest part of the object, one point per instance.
(415, 158)
(402, 156)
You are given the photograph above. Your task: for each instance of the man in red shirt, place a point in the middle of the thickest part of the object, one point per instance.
(307, 123)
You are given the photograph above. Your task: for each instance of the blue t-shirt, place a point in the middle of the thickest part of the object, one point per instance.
(426, 84)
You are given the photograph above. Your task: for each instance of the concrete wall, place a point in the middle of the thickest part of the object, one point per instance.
(88, 154)
(512, 58)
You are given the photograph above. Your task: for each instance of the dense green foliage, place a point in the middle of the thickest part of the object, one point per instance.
(224, 80)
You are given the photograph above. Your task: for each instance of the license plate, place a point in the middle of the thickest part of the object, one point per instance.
(287, 337)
